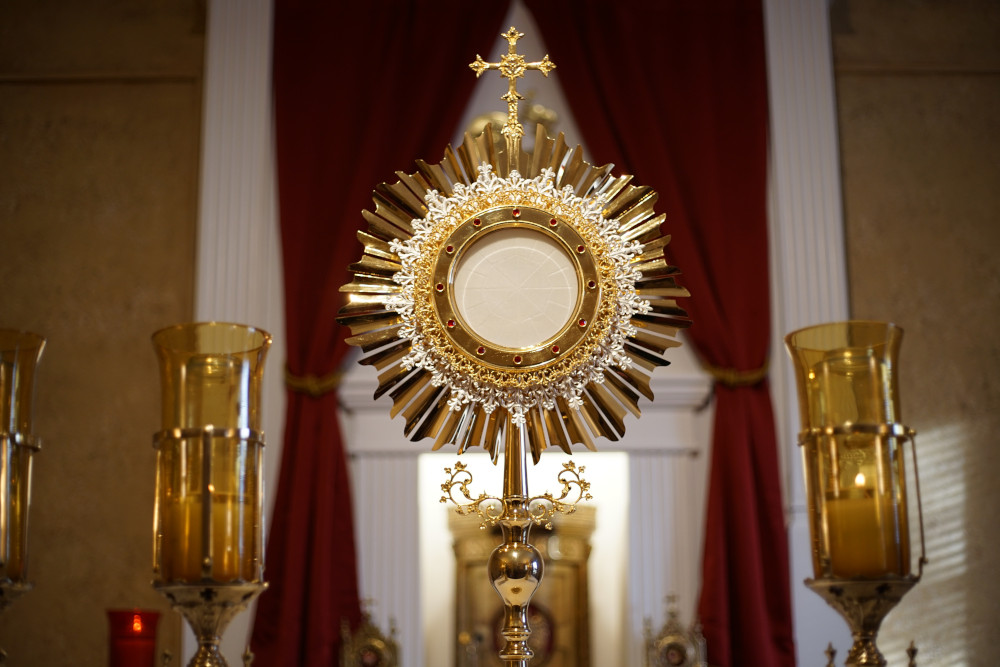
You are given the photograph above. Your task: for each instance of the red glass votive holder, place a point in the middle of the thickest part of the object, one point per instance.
(132, 637)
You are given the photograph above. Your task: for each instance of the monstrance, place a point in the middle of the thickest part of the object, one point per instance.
(514, 301)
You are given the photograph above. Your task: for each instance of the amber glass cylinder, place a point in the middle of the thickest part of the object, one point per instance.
(20, 353)
(852, 446)
(209, 487)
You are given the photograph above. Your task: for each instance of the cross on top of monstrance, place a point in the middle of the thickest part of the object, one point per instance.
(512, 66)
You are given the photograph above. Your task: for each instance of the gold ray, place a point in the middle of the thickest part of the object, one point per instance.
(592, 183)
(478, 428)
(611, 409)
(453, 167)
(466, 427)
(402, 201)
(436, 178)
(541, 152)
(640, 231)
(406, 391)
(414, 187)
(554, 429)
(374, 339)
(389, 209)
(655, 324)
(662, 287)
(431, 426)
(362, 304)
(636, 379)
(420, 407)
(613, 190)
(494, 432)
(388, 356)
(628, 198)
(573, 422)
(376, 246)
(383, 229)
(375, 266)
(536, 437)
(654, 343)
(363, 323)
(390, 378)
(594, 418)
(373, 285)
(622, 392)
(447, 432)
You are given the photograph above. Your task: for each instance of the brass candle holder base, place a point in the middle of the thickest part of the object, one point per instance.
(863, 603)
(208, 608)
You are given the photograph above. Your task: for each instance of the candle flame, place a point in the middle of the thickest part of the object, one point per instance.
(136, 623)
(859, 480)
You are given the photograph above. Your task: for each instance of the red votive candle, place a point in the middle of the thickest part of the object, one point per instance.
(132, 637)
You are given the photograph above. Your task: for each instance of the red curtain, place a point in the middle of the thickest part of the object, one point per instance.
(361, 90)
(675, 92)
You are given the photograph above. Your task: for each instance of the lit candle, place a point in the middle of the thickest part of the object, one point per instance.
(864, 534)
(132, 637)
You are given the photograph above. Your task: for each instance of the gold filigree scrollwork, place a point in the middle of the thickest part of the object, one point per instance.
(493, 510)
(542, 508)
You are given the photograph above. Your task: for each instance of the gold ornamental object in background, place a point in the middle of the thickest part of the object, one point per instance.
(514, 301)
(20, 353)
(853, 449)
(208, 554)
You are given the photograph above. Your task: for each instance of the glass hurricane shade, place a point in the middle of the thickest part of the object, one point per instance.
(209, 512)
(20, 353)
(852, 446)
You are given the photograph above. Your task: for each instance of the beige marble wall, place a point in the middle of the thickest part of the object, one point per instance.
(918, 87)
(100, 106)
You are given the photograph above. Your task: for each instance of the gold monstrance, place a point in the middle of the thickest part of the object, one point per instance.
(514, 301)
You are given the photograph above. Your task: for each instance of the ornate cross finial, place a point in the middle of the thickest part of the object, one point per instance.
(512, 66)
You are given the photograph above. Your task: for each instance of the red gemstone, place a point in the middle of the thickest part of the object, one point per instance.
(477, 222)
(450, 249)
(591, 284)
(516, 212)
(553, 222)
(583, 323)
(451, 324)
(481, 350)
(439, 287)
(555, 349)
(517, 359)
(580, 248)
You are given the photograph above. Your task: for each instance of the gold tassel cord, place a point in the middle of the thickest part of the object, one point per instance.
(312, 385)
(731, 377)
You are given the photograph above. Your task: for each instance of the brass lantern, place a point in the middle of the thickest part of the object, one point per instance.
(208, 518)
(853, 444)
(19, 355)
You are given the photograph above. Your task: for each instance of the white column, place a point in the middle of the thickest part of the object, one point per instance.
(238, 269)
(808, 265)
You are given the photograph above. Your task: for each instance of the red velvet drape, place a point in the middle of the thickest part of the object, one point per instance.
(675, 92)
(361, 89)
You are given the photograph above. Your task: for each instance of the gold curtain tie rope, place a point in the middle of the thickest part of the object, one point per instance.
(730, 377)
(312, 385)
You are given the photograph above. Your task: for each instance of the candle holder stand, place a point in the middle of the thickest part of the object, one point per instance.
(515, 567)
(854, 455)
(208, 607)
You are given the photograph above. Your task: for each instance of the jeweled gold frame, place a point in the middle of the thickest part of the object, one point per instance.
(380, 330)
